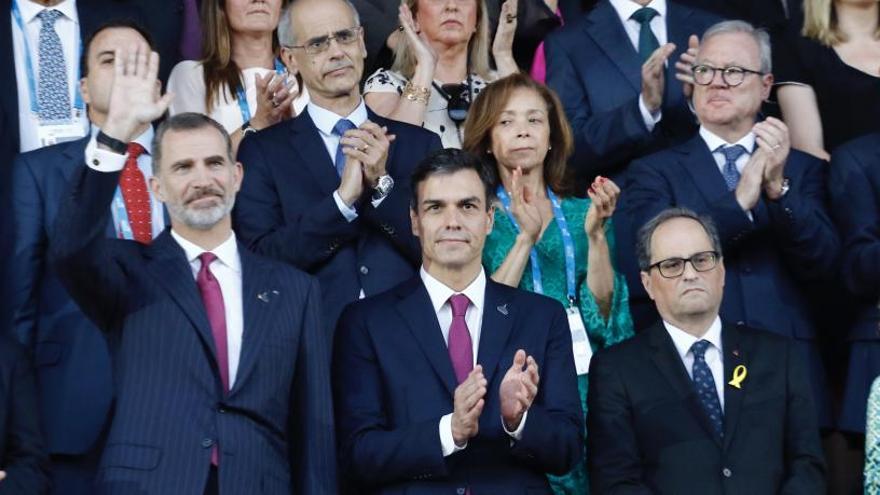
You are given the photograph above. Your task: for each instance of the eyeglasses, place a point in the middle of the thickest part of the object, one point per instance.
(732, 76)
(320, 44)
(674, 267)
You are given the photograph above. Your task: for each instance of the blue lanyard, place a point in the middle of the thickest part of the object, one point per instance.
(241, 95)
(120, 216)
(29, 66)
(567, 242)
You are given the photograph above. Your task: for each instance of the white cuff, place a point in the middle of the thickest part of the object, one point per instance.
(446, 440)
(103, 160)
(517, 434)
(650, 119)
(347, 211)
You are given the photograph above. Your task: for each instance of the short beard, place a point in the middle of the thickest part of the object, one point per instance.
(201, 219)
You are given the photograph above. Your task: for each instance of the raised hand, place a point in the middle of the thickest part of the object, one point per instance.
(369, 146)
(426, 57)
(523, 208)
(135, 99)
(603, 194)
(518, 389)
(685, 65)
(468, 401)
(275, 95)
(772, 138)
(653, 77)
(502, 47)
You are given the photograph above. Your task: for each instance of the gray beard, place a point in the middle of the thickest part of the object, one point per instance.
(201, 219)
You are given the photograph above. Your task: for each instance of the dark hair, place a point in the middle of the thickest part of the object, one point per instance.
(646, 232)
(118, 23)
(449, 161)
(187, 121)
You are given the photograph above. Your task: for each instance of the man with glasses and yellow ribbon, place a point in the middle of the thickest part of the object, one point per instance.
(697, 403)
(768, 200)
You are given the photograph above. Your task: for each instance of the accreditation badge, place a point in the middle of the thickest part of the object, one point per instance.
(50, 134)
(580, 342)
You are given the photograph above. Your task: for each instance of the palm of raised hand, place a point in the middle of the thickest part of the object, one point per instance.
(136, 91)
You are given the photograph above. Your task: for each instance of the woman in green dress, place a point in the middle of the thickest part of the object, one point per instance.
(544, 239)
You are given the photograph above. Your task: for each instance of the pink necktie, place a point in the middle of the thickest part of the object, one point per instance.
(212, 298)
(461, 350)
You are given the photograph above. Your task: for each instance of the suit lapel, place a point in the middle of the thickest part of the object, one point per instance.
(308, 145)
(607, 31)
(496, 327)
(735, 353)
(416, 309)
(700, 165)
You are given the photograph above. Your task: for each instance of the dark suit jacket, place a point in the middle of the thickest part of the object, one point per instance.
(274, 428)
(286, 210)
(22, 450)
(393, 381)
(650, 435)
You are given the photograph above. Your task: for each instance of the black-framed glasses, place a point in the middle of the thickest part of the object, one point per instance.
(320, 44)
(674, 267)
(732, 76)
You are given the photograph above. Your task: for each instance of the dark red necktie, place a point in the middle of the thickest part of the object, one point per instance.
(212, 298)
(460, 346)
(136, 196)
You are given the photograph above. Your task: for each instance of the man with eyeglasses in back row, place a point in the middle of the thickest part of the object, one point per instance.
(768, 200)
(697, 403)
(328, 191)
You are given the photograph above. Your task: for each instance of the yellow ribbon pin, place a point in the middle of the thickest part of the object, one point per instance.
(739, 374)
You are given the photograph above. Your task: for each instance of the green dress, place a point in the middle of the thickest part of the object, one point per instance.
(602, 333)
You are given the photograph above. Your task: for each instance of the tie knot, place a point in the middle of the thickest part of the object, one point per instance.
(459, 303)
(644, 15)
(135, 150)
(207, 258)
(49, 16)
(731, 153)
(699, 348)
(342, 126)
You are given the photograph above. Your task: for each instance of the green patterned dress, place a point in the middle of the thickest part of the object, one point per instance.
(602, 333)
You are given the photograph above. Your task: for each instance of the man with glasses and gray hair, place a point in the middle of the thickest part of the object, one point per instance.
(698, 404)
(328, 191)
(768, 200)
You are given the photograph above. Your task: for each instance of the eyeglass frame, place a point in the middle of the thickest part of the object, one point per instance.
(715, 256)
(724, 74)
(327, 39)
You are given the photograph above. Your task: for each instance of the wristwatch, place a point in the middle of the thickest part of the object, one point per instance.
(115, 145)
(247, 128)
(383, 186)
(786, 185)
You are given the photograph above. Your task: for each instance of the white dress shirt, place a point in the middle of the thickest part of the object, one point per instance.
(68, 29)
(625, 9)
(476, 292)
(107, 161)
(714, 355)
(227, 270)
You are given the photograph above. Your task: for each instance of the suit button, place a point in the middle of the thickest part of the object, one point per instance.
(364, 270)
(460, 491)
(221, 410)
(207, 442)
(726, 472)
(740, 323)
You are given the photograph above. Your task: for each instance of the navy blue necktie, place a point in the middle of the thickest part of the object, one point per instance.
(647, 41)
(730, 173)
(705, 386)
(339, 130)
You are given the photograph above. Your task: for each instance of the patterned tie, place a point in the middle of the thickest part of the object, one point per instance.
(53, 96)
(731, 154)
(705, 386)
(212, 298)
(191, 35)
(136, 197)
(461, 350)
(647, 41)
(872, 439)
(338, 130)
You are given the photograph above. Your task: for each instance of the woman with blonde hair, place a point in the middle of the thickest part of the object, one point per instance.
(442, 64)
(544, 239)
(828, 75)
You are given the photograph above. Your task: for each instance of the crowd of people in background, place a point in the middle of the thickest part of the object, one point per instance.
(372, 247)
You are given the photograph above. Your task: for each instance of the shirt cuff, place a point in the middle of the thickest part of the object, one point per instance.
(516, 435)
(347, 211)
(377, 202)
(650, 119)
(102, 160)
(446, 440)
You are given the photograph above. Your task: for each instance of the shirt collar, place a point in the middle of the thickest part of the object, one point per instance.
(29, 10)
(440, 293)
(683, 340)
(713, 141)
(325, 119)
(227, 252)
(626, 8)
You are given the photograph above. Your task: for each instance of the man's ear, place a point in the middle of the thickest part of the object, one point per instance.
(490, 222)
(646, 283)
(156, 188)
(414, 221)
(84, 91)
(288, 60)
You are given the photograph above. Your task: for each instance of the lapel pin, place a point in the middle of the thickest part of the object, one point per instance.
(502, 309)
(739, 375)
(736, 352)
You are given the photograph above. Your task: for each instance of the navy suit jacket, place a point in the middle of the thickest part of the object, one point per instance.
(393, 381)
(648, 432)
(70, 354)
(274, 428)
(286, 210)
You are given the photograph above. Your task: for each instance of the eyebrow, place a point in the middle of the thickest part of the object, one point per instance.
(469, 199)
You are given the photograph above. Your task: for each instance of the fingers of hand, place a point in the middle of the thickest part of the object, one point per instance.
(519, 360)
(693, 42)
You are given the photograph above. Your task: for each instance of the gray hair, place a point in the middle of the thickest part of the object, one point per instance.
(187, 121)
(758, 34)
(286, 36)
(646, 232)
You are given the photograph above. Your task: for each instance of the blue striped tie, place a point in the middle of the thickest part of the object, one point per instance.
(705, 386)
(339, 130)
(53, 95)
